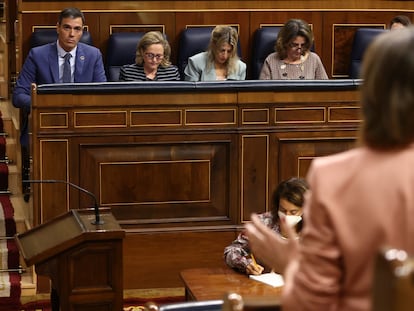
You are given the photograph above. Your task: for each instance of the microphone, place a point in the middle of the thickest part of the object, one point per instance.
(97, 220)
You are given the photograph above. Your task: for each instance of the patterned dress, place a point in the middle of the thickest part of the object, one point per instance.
(136, 72)
(237, 254)
(276, 69)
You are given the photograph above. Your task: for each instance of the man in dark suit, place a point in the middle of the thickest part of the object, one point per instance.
(45, 65)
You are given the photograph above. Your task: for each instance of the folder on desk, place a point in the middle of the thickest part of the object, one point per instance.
(272, 279)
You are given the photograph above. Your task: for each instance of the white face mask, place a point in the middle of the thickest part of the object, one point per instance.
(291, 220)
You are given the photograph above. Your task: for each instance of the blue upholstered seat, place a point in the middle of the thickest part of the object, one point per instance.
(192, 41)
(263, 44)
(121, 50)
(49, 35)
(362, 38)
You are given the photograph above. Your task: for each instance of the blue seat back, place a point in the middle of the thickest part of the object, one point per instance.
(362, 38)
(121, 50)
(49, 35)
(195, 40)
(263, 44)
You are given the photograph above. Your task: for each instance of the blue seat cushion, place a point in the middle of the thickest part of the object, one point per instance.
(121, 50)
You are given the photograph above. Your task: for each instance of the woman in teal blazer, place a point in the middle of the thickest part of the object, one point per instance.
(220, 61)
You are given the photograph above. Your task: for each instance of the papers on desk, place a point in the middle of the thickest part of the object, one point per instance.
(272, 279)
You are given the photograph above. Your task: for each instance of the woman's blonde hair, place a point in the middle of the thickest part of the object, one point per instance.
(150, 38)
(223, 34)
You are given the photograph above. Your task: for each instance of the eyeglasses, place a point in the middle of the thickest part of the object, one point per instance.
(294, 45)
(152, 56)
(68, 28)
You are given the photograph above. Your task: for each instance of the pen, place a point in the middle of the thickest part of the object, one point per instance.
(253, 259)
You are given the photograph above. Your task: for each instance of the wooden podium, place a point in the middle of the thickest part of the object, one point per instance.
(83, 260)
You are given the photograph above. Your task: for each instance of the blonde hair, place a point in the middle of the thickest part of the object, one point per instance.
(223, 34)
(150, 38)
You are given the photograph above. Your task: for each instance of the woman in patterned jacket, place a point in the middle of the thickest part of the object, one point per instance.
(287, 200)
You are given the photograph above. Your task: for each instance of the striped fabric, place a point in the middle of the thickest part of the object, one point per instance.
(135, 72)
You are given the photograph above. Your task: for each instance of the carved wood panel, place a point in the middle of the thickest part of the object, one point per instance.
(182, 171)
(296, 154)
(160, 182)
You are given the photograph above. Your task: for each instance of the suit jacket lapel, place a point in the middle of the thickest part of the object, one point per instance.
(54, 63)
(80, 61)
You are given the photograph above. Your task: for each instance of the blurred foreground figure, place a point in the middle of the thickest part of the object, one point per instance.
(359, 200)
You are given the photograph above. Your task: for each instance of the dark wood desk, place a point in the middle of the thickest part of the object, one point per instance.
(181, 163)
(214, 283)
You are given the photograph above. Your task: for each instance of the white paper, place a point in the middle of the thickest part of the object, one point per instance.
(272, 279)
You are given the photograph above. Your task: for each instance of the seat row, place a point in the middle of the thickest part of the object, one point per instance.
(121, 47)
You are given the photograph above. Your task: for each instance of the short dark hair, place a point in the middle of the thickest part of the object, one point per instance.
(71, 13)
(387, 93)
(402, 19)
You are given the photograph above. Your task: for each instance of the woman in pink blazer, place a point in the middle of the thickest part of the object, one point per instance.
(360, 200)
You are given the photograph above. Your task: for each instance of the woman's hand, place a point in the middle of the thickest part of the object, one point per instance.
(269, 246)
(254, 269)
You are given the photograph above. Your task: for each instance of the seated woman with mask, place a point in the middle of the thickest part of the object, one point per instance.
(220, 61)
(287, 202)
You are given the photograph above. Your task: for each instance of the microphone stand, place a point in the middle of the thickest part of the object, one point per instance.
(98, 220)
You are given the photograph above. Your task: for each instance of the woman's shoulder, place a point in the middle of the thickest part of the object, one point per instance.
(313, 56)
(343, 161)
(131, 66)
(273, 56)
(242, 65)
(170, 67)
(202, 56)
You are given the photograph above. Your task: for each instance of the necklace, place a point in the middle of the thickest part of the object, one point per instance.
(296, 67)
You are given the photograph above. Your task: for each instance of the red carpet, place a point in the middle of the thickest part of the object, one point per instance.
(10, 289)
(9, 281)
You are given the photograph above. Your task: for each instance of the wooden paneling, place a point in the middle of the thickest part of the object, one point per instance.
(297, 153)
(165, 181)
(136, 21)
(254, 175)
(156, 260)
(55, 197)
(203, 5)
(184, 179)
(183, 171)
(333, 22)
